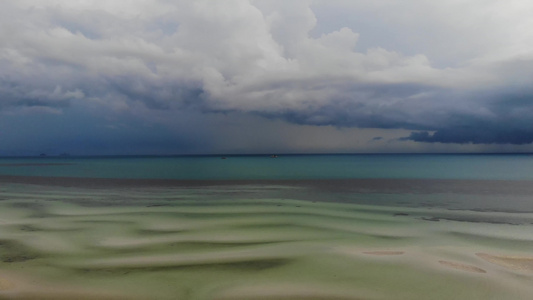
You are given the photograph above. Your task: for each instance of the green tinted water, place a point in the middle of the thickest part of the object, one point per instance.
(505, 167)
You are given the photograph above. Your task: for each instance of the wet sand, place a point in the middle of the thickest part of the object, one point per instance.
(96, 239)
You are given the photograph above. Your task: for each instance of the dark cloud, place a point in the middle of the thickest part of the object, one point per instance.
(80, 132)
(475, 135)
(17, 94)
(160, 94)
(491, 116)
(506, 119)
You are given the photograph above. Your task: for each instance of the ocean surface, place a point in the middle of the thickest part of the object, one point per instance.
(345, 166)
(304, 227)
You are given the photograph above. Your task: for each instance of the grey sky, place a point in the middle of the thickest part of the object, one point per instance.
(162, 77)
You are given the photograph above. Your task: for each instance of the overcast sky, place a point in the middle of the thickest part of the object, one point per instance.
(186, 77)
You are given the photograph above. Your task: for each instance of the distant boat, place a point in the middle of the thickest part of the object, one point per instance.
(223, 157)
(42, 155)
(273, 156)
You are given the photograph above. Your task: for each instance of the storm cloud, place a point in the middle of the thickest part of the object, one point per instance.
(344, 64)
(502, 119)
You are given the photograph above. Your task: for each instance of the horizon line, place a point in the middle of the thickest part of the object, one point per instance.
(260, 154)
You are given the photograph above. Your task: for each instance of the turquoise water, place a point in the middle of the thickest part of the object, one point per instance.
(410, 166)
(335, 239)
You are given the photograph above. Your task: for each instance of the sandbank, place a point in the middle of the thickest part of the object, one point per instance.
(462, 267)
(521, 263)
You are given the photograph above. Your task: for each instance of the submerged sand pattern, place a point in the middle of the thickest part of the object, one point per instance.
(230, 243)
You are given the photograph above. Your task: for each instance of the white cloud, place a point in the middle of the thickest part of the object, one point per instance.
(405, 64)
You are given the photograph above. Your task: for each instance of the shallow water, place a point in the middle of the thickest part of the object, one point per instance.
(261, 241)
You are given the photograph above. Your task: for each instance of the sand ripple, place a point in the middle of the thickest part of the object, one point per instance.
(384, 252)
(230, 244)
(461, 267)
